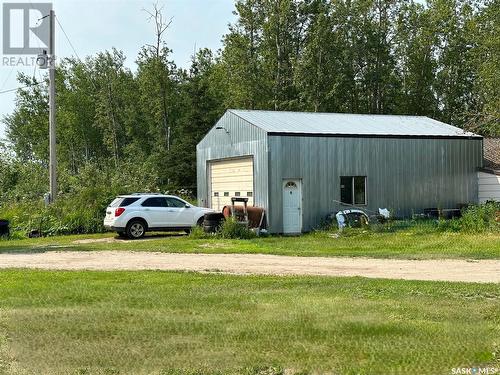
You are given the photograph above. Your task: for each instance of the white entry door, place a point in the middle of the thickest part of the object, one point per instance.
(292, 206)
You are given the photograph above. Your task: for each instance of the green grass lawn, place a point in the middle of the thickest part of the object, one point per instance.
(186, 323)
(407, 244)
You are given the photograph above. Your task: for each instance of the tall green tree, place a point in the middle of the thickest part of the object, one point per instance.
(282, 35)
(486, 59)
(27, 127)
(414, 48)
(201, 108)
(240, 69)
(453, 22)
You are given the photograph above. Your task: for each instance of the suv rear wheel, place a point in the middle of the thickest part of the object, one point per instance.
(136, 229)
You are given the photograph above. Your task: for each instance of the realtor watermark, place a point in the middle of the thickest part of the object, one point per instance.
(475, 370)
(25, 34)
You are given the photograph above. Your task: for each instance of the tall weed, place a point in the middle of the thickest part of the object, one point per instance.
(232, 229)
(481, 218)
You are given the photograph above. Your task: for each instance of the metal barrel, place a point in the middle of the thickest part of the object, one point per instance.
(255, 215)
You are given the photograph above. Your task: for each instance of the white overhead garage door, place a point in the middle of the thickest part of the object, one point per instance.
(230, 178)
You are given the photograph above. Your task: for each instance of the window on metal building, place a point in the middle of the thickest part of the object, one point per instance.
(353, 190)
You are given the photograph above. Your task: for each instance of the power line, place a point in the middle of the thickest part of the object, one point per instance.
(8, 76)
(38, 83)
(20, 88)
(74, 49)
(10, 90)
(67, 38)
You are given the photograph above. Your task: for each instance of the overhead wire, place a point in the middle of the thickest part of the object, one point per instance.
(67, 38)
(7, 78)
(73, 48)
(34, 71)
(20, 88)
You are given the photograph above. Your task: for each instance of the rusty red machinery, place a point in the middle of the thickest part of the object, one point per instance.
(255, 216)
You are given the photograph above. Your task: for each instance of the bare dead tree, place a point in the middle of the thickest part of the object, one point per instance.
(161, 25)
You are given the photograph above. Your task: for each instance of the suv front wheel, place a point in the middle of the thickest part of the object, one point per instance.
(136, 229)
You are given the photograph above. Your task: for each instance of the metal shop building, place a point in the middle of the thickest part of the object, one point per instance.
(301, 166)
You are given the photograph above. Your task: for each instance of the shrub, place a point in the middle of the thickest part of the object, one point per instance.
(79, 212)
(198, 233)
(475, 219)
(83, 194)
(480, 218)
(233, 229)
(451, 225)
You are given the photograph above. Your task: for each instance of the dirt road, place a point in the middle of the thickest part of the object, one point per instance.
(445, 270)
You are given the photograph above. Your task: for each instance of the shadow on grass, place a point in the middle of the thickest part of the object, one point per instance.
(18, 249)
(416, 226)
(155, 235)
(81, 244)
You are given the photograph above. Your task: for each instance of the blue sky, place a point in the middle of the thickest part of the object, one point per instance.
(94, 26)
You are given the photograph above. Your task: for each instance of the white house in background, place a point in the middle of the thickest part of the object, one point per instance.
(489, 175)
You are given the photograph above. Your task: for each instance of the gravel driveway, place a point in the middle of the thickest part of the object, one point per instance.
(481, 271)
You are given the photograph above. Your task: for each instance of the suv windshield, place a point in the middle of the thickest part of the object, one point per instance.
(123, 202)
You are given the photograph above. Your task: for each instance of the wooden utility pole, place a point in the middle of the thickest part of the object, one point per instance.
(52, 110)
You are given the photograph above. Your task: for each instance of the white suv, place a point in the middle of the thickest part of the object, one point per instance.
(134, 214)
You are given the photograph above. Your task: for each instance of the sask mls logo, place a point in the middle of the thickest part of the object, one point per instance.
(25, 28)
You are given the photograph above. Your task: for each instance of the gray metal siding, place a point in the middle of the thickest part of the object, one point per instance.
(403, 175)
(243, 139)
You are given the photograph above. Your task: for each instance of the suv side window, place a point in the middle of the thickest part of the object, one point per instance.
(172, 202)
(123, 202)
(128, 201)
(155, 202)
